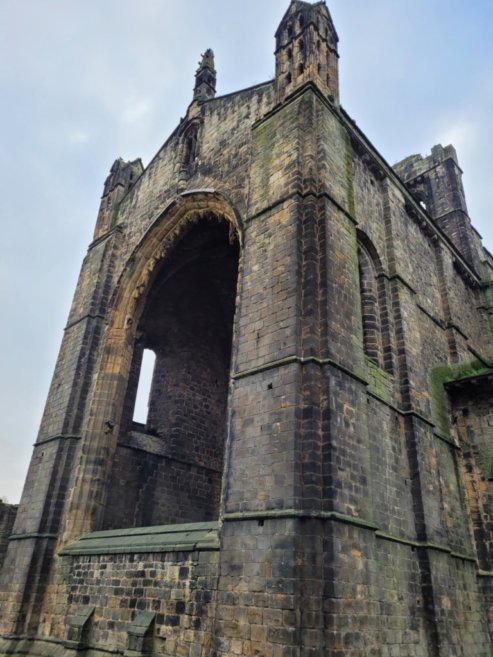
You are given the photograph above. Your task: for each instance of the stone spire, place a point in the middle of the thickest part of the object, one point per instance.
(205, 77)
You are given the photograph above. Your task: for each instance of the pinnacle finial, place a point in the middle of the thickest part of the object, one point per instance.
(205, 77)
(207, 61)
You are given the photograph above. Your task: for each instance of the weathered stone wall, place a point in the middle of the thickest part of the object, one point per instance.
(225, 146)
(380, 424)
(473, 431)
(355, 517)
(153, 489)
(7, 519)
(179, 588)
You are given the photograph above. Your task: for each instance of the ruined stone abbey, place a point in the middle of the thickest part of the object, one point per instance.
(315, 474)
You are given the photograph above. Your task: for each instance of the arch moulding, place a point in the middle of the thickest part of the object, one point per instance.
(102, 424)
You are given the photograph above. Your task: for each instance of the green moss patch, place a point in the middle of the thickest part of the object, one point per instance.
(441, 375)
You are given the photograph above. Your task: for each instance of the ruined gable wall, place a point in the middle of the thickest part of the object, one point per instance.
(223, 160)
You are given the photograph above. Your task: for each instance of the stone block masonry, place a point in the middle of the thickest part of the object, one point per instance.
(314, 475)
(7, 518)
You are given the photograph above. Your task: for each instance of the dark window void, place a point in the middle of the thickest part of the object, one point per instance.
(169, 470)
(374, 306)
(190, 142)
(370, 311)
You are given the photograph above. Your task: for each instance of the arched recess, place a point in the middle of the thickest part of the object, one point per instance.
(189, 146)
(176, 296)
(374, 304)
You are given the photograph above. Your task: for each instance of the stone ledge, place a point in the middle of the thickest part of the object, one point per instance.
(166, 538)
(47, 647)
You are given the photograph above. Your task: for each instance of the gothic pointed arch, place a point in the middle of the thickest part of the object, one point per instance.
(177, 297)
(374, 305)
(190, 144)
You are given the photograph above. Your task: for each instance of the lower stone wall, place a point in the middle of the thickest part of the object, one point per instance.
(461, 616)
(362, 595)
(8, 513)
(486, 587)
(279, 587)
(177, 587)
(258, 602)
(375, 605)
(318, 583)
(401, 625)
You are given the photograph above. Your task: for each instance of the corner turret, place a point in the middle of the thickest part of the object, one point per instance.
(436, 183)
(121, 178)
(205, 78)
(306, 50)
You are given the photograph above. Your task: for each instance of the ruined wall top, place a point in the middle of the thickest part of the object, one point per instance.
(415, 165)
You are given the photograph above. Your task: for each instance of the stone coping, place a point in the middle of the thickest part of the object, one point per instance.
(480, 378)
(187, 537)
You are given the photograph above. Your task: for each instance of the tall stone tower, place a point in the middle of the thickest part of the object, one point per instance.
(314, 476)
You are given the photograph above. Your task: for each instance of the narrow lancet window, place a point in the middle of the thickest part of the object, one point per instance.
(141, 408)
(370, 312)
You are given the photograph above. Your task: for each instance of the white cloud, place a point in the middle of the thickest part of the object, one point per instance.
(462, 132)
(136, 110)
(78, 136)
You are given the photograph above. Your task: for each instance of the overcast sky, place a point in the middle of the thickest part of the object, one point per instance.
(82, 83)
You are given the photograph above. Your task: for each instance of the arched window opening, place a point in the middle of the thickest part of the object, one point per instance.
(169, 469)
(190, 141)
(374, 307)
(301, 46)
(301, 22)
(301, 69)
(288, 78)
(290, 31)
(290, 54)
(141, 408)
(370, 311)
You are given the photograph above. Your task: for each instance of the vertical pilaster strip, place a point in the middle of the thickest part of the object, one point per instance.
(401, 297)
(444, 297)
(311, 573)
